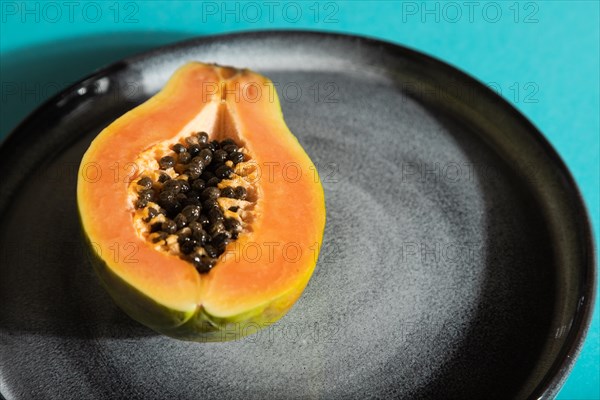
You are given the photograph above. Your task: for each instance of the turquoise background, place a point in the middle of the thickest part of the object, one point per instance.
(543, 57)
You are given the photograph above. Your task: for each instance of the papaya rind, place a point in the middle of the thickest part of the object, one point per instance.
(197, 325)
(135, 303)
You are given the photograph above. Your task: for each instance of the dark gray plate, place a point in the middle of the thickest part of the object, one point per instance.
(457, 260)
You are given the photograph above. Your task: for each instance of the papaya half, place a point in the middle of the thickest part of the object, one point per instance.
(203, 214)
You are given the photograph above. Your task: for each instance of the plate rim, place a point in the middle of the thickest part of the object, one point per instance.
(559, 370)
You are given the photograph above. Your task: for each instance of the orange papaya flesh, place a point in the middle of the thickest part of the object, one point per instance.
(259, 276)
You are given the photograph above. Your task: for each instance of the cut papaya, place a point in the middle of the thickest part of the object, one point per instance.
(203, 214)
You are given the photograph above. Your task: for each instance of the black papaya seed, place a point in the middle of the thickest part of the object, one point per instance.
(206, 155)
(220, 240)
(194, 171)
(206, 175)
(210, 193)
(180, 220)
(191, 213)
(146, 194)
(220, 156)
(163, 177)
(236, 157)
(213, 182)
(202, 263)
(184, 157)
(152, 212)
(202, 137)
(211, 251)
(183, 233)
(184, 186)
(232, 225)
(178, 148)
(155, 227)
(209, 204)
(159, 236)
(241, 193)
(214, 145)
(198, 185)
(223, 172)
(145, 182)
(204, 220)
(195, 226)
(194, 149)
(187, 247)
(193, 194)
(227, 142)
(228, 192)
(166, 162)
(169, 226)
(201, 236)
(230, 148)
(173, 185)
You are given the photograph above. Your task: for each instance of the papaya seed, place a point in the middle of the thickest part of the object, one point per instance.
(184, 158)
(240, 193)
(178, 148)
(220, 156)
(166, 162)
(145, 182)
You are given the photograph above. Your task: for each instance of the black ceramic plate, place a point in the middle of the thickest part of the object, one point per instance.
(457, 260)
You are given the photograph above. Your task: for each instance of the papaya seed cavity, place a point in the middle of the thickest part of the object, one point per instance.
(194, 202)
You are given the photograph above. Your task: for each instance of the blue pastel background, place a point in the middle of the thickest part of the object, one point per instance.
(543, 56)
